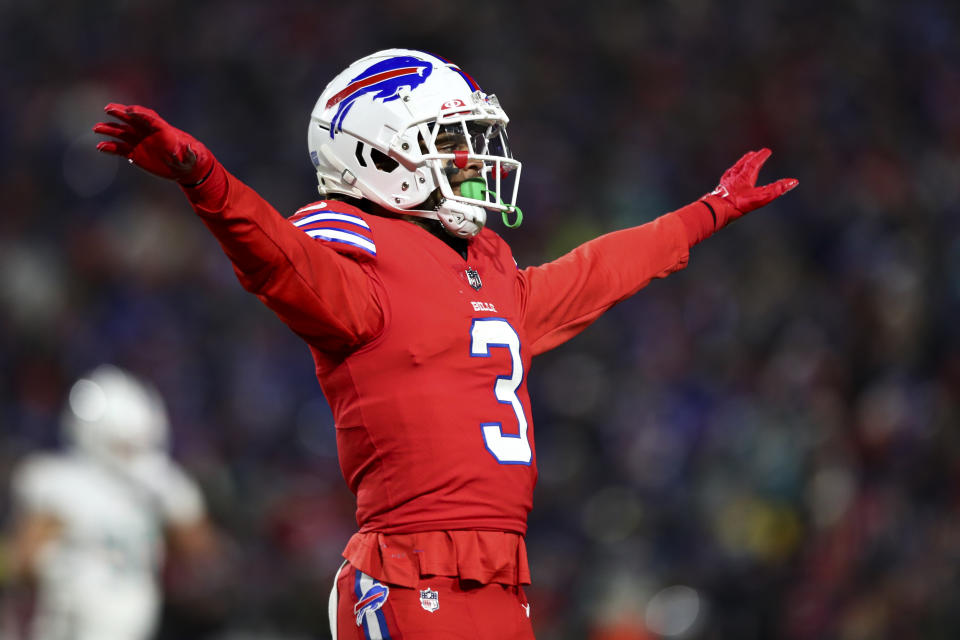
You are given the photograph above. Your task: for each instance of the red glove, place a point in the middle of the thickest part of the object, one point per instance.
(736, 194)
(738, 188)
(149, 142)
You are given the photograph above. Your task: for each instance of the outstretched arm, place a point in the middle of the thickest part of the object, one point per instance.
(327, 298)
(561, 298)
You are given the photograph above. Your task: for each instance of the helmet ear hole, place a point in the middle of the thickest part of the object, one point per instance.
(359, 154)
(382, 161)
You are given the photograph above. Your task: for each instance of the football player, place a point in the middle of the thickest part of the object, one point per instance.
(421, 325)
(91, 521)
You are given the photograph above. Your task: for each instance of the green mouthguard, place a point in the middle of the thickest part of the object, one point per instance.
(476, 189)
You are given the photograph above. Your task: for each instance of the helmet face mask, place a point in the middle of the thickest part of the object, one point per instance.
(453, 146)
(374, 134)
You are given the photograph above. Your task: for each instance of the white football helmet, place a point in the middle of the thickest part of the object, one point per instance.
(115, 418)
(374, 130)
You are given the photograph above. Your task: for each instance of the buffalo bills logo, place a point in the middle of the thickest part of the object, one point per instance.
(372, 599)
(384, 80)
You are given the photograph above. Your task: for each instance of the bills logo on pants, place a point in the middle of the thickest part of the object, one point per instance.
(371, 600)
(371, 596)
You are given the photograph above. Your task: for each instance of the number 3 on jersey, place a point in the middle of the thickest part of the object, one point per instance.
(505, 447)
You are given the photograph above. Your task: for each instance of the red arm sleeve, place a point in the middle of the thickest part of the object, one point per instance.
(329, 299)
(560, 299)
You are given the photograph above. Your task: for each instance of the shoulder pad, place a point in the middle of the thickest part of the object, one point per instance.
(38, 477)
(341, 227)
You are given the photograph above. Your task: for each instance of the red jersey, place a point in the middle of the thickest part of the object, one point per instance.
(423, 355)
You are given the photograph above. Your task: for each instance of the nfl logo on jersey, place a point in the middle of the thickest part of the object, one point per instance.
(429, 600)
(473, 277)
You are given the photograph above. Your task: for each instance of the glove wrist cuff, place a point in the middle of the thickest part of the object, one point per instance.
(199, 182)
(211, 191)
(722, 209)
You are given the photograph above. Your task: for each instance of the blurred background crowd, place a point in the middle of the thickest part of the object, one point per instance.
(765, 445)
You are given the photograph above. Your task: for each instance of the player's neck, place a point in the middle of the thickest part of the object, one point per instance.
(435, 228)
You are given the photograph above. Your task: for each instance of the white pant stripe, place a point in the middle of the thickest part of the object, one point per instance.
(332, 603)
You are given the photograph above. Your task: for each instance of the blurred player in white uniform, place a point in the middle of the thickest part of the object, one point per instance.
(91, 522)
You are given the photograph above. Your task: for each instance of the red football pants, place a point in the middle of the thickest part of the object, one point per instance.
(439, 608)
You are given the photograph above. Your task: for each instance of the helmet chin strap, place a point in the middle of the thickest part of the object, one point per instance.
(460, 219)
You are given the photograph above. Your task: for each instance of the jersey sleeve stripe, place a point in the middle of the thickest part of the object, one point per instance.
(346, 237)
(331, 215)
